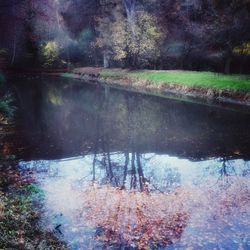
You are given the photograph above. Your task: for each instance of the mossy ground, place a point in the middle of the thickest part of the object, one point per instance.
(21, 203)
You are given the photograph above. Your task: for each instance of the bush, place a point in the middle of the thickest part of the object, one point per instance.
(7, 108)
(49, 53)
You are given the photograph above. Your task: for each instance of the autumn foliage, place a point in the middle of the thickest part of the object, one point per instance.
(136, 219)
(144, 220)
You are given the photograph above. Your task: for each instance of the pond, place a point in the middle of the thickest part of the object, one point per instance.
(122, 170)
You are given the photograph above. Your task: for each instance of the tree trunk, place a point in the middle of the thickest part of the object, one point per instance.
(14, 49)
(125, 172)
(68, 59)
(227, 68)
(133, 173)
(105, 60)
(140, 172)
(14, 41)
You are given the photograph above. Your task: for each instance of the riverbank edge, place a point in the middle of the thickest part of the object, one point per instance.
(200, 94)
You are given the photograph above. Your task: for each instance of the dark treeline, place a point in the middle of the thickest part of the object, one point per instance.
(157, 34)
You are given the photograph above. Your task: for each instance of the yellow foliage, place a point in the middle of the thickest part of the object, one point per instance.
(50, 52)
(244, 49)
(140, 41)
(138, 38)
(54, 97)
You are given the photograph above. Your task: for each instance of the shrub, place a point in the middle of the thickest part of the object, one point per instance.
(7, 109)
(50, 53)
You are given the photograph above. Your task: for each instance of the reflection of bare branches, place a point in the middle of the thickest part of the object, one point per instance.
(142, 179)
(133, 173)
(125, 170)
(169, 180)
(93, 168)
(223, 170)
(227, 170)
(148, 158)
(246, 171)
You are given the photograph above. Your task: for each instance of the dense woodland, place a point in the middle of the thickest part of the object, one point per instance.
(155, 34)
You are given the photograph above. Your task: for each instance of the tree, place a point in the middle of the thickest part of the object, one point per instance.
(130, 45)
(50, 53)
(139, 46)
(229, 29)
(104, 19)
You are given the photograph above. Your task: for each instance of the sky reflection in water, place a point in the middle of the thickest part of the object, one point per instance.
(213, 222)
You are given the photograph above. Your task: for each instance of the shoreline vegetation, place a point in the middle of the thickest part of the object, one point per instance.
(198, 86)
(233, 89)
(21, 207)
(21, 199)
(7, 108)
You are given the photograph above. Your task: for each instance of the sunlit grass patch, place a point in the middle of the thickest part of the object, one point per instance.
(200, 79)
(185, 78)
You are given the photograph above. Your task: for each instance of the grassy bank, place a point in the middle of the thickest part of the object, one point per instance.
(21, 207)
(194, 84)
(185, 78)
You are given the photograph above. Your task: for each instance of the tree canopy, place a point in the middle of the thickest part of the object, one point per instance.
(159, 34)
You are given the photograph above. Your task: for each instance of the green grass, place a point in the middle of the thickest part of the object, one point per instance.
(186, 78)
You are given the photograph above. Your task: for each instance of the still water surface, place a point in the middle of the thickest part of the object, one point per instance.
(122, 170)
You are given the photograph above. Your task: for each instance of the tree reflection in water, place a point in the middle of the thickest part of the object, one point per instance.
(127, 210)
(133, 218)
(182, 203)
(130, 208)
